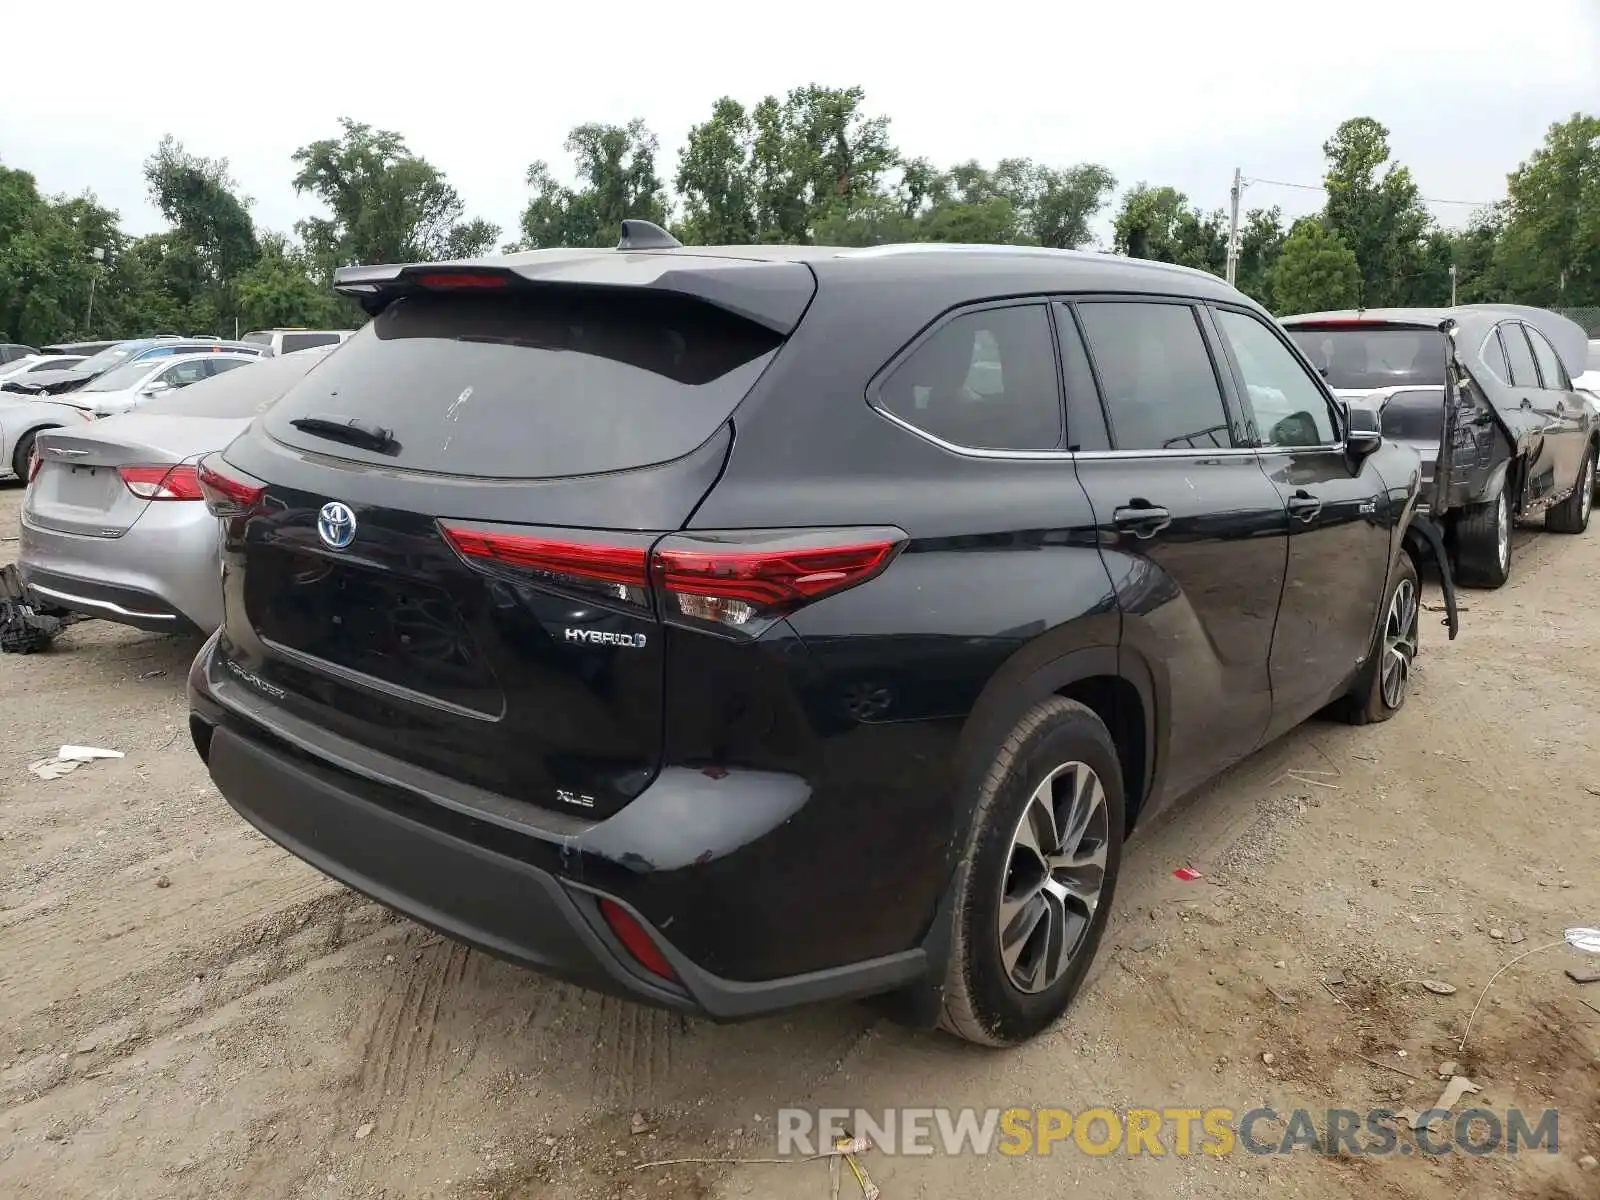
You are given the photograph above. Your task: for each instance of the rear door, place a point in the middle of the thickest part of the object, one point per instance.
(1543, 473)
(1563, 410)
(446, 563)
(1339, 529)
(1194, 535)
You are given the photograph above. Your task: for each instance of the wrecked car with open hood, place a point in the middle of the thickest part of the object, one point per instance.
(1484, 393)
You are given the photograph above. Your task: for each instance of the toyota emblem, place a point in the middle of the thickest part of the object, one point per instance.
(336, 525)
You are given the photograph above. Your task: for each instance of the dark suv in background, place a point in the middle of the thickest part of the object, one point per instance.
(734, 628)
(1525, 440)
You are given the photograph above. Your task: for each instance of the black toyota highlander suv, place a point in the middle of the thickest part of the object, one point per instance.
(734, 628)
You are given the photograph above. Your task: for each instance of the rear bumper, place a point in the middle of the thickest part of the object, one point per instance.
(161, 575)
(488, 878)
(92, 598)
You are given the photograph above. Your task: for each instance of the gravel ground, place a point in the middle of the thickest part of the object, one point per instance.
(187, 1011)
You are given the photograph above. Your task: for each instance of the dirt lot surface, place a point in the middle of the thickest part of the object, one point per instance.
(187, 1011)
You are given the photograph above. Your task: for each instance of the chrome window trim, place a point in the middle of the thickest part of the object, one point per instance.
(1059, 455)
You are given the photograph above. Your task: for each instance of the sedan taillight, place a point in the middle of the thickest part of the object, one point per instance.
(179, 482)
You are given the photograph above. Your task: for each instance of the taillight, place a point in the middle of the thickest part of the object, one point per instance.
(613, 566)
(743, 580)
(739, 581)
(228, 492)
(179, 482)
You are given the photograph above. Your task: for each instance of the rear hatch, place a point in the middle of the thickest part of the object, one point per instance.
(439, 537)
(97, 482)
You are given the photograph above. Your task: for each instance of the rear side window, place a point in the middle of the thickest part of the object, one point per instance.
(1518, 355)
(984, 379)
(532, 385)
(217, 364)
(1160, 389)
(305, 341)
(1550, 368)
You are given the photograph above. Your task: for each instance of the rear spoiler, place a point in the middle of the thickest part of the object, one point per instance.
(771, 293)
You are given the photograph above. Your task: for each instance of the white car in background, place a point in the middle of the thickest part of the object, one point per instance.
(290, 341)
(1589, 381)
(123, 389)
(22, 419)
(21, 368)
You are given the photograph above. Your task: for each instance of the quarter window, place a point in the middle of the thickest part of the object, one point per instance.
(1494, 357)
(1554, 375)
(1160, 389)
(985, 379)
(1289, 409)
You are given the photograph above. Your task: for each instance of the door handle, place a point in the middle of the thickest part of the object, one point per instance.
(1304, 505)
(1141, 518)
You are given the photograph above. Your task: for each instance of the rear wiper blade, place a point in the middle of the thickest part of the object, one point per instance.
(347, 429)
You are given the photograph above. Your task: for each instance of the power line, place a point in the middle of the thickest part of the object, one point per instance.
(1317, 187)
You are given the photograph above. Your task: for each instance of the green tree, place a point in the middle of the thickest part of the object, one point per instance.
(1054, 205)
(1374, 208)
(385, 203)
(1549, 251)
(1473, 254)
(617, 180)
(278, 290)
(1160, 224)
(714, 178)
(47, 263)
(1315, 272)
(200, 199)
(1261, 238)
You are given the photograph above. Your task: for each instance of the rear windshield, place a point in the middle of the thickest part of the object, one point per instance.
(1369, 357)
(532, 386)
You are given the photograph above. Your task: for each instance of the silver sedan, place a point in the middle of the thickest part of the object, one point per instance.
(113, 522)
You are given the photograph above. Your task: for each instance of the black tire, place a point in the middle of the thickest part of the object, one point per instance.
(1375, 698)
(1483, 559)
(1572, 514)
(982, 1003)
(23, 452)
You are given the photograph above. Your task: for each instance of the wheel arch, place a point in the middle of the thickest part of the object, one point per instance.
(1115, 684)
(16, 444)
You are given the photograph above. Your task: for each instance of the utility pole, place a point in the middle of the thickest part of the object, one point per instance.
(99, 257)
(1452, 285)
(1233, 226)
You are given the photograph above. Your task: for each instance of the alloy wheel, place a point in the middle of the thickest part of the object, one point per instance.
(1055, 873)
(1399, 643)
(1586, 501)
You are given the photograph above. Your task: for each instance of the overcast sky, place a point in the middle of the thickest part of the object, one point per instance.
(1163, 91)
